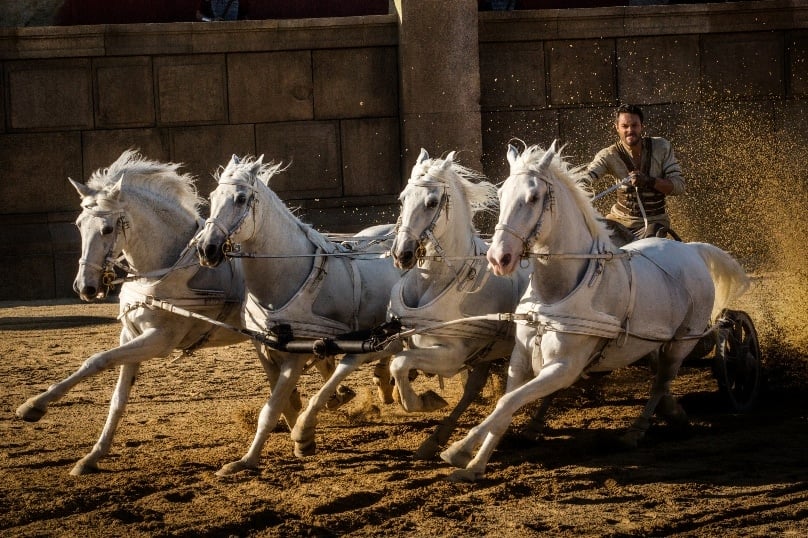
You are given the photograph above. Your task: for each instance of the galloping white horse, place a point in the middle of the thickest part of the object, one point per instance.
(146, 212)
(451, 281)
(297, 281)
(591, 306)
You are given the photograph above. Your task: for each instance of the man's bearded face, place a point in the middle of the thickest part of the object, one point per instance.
(629, 129)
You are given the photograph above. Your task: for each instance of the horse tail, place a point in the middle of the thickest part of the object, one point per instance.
(729, 278)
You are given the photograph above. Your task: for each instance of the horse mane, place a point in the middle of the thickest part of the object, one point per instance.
(480, 193)
(576, 180)
(161, 179)
(250, 170)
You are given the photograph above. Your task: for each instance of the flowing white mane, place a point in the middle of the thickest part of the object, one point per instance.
(576, 181)
(163, 180)
(480, 194)
(251, 170)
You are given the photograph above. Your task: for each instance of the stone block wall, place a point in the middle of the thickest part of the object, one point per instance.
(321, 96)
(724, 82)
(349, 102)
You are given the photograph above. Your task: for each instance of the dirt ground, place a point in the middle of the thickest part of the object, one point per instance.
(728, 474)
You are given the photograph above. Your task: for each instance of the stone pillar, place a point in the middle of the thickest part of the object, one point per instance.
(439, 78)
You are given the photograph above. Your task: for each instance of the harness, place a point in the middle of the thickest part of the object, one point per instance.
(111, 260)
(296, 318)
(564, 315)
(428, 235)
(646, 202)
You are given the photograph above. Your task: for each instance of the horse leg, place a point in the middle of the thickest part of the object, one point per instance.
(660, 399)
(533, 430)
(341, 394)
(291, 366)
(382, 380)
(303, 432)
(473, 386)
(427, 360)
(145, 346)
(551, 378)
(117, 406)
(294, 405)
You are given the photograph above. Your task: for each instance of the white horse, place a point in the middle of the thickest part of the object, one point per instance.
(141, 215)
(298, 282)
(591, 306)
(451, 281)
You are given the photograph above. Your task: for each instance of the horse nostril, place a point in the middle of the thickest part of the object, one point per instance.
(506, 260)
(211, 251)
(89, 291)
(406, 258)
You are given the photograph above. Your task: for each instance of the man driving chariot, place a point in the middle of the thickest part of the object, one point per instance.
(650, 172)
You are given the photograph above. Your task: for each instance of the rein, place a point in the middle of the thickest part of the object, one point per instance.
(112, 260)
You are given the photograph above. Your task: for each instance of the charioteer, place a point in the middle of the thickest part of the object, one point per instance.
(650, 169)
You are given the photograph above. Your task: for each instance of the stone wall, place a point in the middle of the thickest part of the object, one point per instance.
(321, 95)
(349, 101)
(726, 83)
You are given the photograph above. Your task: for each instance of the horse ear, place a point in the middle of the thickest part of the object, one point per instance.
(554, 146)
(115, 191)
(260, 159)
(82, 189)
(447, 162)
(234, 159)
(422, 156)
(547, 158)
(513, 154)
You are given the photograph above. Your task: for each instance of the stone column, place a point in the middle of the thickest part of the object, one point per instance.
(439, 79)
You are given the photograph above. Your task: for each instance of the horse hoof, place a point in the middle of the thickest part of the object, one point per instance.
(384, 392)
(427, 451)
(431, 401)
(630, 440)
(83, 467)
(233, 468)
(340, 398)
(305, 449)
(463, 475)
(30, 412)
(531, 434)
(456, 456)
(672, 412)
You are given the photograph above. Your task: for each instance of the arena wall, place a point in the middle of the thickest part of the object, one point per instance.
(348, 102)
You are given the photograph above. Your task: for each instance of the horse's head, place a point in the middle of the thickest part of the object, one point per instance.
(524, 200)
(437, 207)
(232, 209)
(102, 225)
(422, 201)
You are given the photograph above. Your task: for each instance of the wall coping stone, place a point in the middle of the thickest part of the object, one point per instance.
(651, 20)
(197, 37)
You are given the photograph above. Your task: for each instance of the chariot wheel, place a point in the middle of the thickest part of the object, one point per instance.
(737, 360)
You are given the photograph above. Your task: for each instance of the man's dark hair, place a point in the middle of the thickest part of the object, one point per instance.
(629, 109)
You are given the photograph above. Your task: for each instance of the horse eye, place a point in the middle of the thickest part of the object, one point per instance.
(241, 198)
(107, 229)
(432, 203)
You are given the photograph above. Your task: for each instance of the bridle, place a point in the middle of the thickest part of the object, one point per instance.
(228, 246)
(427, 235)
(114, 257)
(547, 206)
